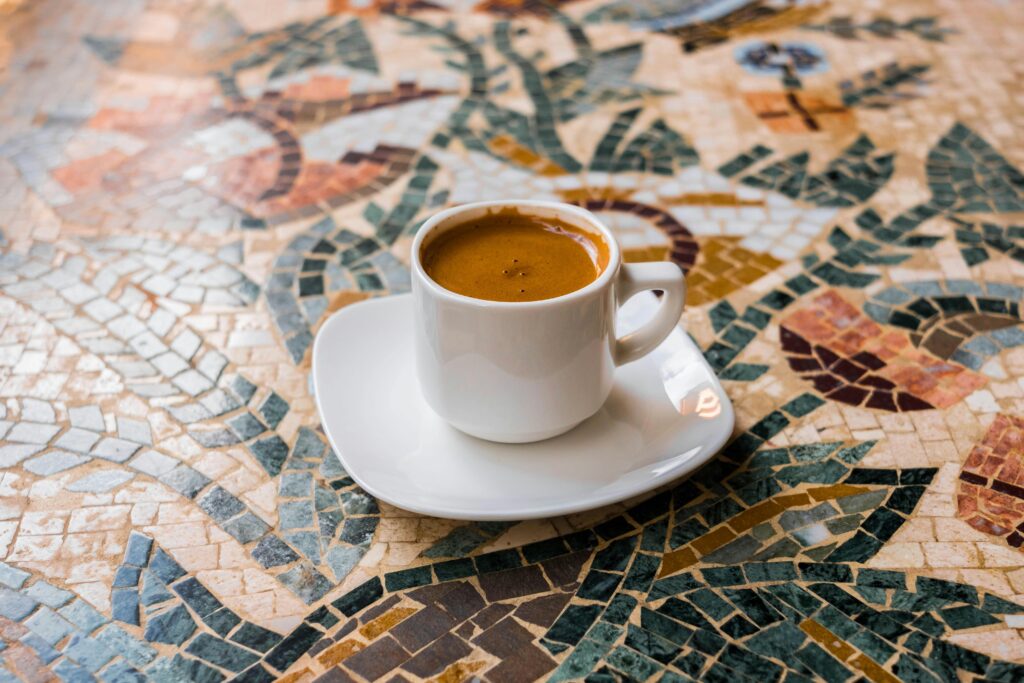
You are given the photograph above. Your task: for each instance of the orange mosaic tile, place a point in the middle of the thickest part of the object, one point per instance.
(991, 483)
(723, 266)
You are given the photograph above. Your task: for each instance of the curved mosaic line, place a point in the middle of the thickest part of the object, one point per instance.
(289, 152)
(610, 605)
(44, 623)
(176, 609)
(323, 42)
(851, 359)
(959, 152)
(820, 621)
(323, 267)
(684, 248)
(326, 262)
(325, 523)
(965, 321)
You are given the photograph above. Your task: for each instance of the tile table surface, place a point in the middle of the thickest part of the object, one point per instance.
(188, 188)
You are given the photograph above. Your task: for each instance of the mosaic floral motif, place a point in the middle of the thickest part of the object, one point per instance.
(191, 189)
(965, 321)
(772, 59)
(990, 495)
(853, 360)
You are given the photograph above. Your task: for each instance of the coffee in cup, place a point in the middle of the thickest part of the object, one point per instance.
(509, 255)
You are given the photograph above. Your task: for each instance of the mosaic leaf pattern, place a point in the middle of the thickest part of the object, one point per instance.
(191, 190)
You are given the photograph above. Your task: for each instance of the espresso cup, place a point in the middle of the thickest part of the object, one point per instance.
(516, 372)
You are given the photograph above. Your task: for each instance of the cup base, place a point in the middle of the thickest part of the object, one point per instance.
(505, 437)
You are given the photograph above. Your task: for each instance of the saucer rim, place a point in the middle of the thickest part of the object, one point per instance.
(449, 512)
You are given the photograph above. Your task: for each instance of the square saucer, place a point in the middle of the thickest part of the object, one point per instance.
(667, 415)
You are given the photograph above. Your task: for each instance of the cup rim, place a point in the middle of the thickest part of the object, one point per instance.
(583, 215)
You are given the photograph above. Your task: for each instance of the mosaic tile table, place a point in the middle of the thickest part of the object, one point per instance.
(189, 188)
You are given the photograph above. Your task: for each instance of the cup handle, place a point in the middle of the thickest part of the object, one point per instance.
(638, 277)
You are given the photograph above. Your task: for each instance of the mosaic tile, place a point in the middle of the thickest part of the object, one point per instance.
(191, 191)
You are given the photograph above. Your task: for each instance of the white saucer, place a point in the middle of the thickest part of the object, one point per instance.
(666, 416)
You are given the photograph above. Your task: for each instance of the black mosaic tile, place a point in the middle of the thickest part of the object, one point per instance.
(544, 550)
(573, 623)
(196, 596)
(222, 621)
(454, 569)
(613, 528)
(360, 597)
(322, 616)
(407, 578)
(293, 646)
(220, 653)
(173, 626)
(164, 567)
(255, 637)
(497, 561)
(273, 552)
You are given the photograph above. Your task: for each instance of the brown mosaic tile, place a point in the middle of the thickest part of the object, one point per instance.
(335, 676)
(543, 611)
(424, 627)
(722, 267)
(528, 665)
(339, 652)
(460, 671)
(491, 614)
(436, 658)
(504, 639)
(385, 622)
(462, 602)
(513, 583)
(794, 113)
(378, 659)
(565, 569)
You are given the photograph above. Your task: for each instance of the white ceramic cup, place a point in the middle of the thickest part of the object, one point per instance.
(524, 371)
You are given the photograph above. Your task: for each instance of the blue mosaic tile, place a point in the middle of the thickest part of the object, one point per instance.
(15, 606)
(87, 652)
(48, 625)
(82, 615)
(12, 577)
(42, 647)
(118, 640)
